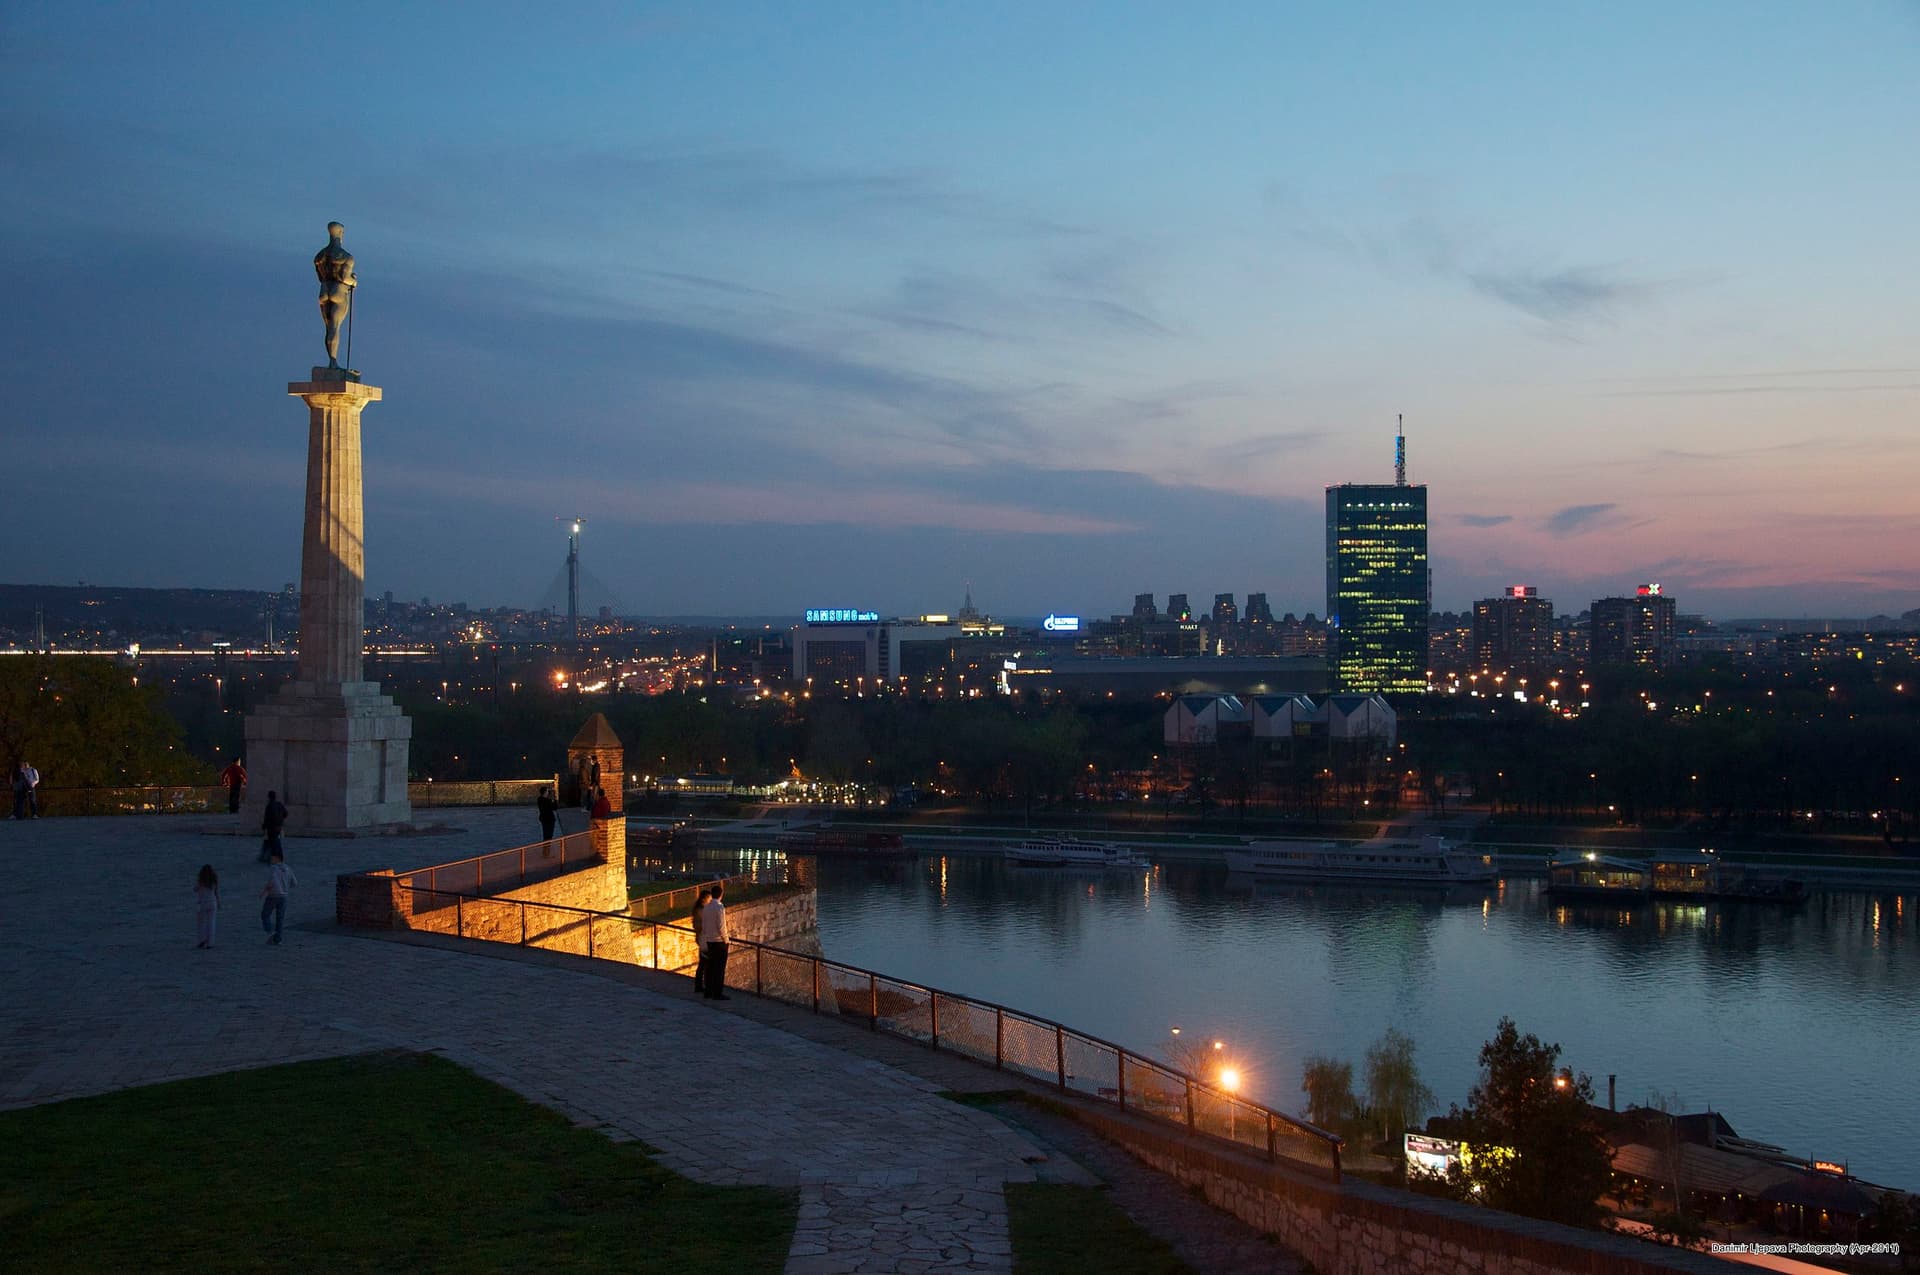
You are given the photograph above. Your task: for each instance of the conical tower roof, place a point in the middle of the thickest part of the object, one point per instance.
(597, 733)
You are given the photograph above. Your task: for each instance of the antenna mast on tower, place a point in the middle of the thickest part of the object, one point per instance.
(573, 577)
(1400, 451)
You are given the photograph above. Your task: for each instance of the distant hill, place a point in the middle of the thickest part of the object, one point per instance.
(143, 615)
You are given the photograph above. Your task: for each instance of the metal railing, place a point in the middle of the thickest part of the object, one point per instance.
(504, 869)
(1010, 1039)
(144, 799)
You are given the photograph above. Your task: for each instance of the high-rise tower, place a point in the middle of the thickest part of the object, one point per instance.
(573, 580)
(1378, 596)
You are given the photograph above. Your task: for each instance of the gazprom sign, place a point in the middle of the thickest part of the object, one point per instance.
(1061, 623)
(840, 615)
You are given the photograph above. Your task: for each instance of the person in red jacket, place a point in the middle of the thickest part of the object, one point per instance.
(235, 778)
(602, 808)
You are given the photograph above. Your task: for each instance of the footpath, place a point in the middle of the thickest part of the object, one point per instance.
(107, 991)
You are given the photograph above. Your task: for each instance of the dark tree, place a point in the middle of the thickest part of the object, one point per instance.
(84, 723)
(1396, 1097)
(1328, 1084)
(1533, 1138)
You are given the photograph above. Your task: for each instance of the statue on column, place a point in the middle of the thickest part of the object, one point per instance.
(334, 265)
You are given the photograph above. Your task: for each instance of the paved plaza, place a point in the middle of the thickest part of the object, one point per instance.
(106, 990)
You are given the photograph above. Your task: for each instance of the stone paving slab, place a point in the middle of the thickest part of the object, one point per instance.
(901, 1227)
(106, 990)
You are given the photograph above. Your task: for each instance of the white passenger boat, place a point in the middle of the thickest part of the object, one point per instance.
(1070, 852)
(1427, 860)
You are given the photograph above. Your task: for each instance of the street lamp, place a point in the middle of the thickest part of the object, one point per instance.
(1230, 1081)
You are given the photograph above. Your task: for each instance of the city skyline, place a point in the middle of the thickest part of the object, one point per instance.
(848, 308)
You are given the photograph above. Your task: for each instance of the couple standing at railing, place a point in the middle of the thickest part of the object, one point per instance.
(710, 933)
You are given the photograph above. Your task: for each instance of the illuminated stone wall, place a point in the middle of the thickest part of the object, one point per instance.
(1357, 1228)
(547, 914)
(783, 920)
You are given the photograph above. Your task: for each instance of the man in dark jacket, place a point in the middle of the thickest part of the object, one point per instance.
(271, 822)
(549, 811)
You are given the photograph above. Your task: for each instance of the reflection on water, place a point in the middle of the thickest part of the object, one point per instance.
(1799, 1024)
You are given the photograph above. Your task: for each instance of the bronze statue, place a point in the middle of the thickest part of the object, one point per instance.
(334, 265)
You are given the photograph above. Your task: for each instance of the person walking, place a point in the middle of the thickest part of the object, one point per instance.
(273, 895)
(713, 940)
(235, 779)
(206, 903)
(271, 822)
(699, 943)
(32, 777)
(549, 811)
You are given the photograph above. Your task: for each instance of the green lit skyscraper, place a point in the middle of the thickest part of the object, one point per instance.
(1377, 594)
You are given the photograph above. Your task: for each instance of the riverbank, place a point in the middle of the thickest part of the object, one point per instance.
(1520, 850)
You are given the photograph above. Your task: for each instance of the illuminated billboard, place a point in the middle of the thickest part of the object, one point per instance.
(1061, 624)
(840, 615)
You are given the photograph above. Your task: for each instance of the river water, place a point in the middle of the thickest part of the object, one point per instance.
(1801, 1025)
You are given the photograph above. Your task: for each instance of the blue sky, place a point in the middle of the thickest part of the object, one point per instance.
(844, 305)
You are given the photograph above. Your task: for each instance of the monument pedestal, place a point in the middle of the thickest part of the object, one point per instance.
(329, 743)
(337, 755)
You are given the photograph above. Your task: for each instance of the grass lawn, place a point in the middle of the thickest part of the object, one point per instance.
(390, 1161)
(1058, 1229)
(1068, 1230)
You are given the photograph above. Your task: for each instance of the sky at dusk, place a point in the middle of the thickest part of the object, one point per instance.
(836, 305)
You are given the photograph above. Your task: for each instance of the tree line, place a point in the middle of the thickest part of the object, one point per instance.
(1729, 748)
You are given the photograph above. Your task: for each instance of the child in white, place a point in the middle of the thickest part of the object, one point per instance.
(206, 903)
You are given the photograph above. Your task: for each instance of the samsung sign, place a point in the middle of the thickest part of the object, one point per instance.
(841, 615)
(1061, 624)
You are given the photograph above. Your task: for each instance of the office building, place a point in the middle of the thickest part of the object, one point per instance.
(1377, 583)
(851, 649)
(1224, 611)
(1143, 607)
(1636, 630)
(1177, 608)
(1258, 612)
(750, 659)
(1514, 630)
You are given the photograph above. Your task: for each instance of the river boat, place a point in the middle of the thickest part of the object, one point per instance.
(1428, 860)
(1675, 876)
(1070, 852)
(843, 841)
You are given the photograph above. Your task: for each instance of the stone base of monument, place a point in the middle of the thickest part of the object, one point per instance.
(336, 754)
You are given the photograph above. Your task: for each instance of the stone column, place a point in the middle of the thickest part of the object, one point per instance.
(333, 559)
(329, 742)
